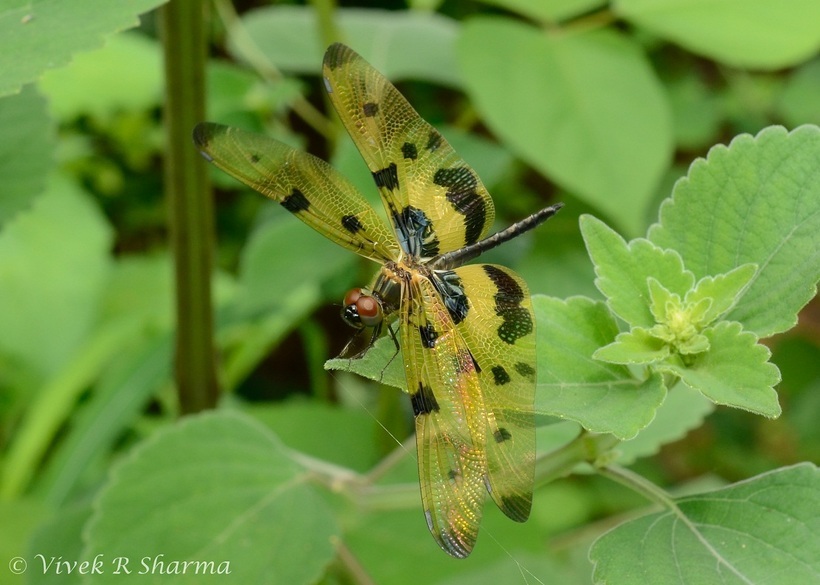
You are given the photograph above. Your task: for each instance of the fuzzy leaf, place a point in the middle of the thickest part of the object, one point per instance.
(622, 270)
(756, 201)
(48, 33)
(604, 398)
(735, 371)
(762, 530)
(636, 346)
(215, 487)
(724, 290)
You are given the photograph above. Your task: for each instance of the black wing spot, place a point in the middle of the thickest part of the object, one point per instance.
(387, 177)
(295, 202)
(501, 434)
(433, 141)
(517, 507)
(255, 158)
(461, 184)
(423, 401)
(351, 223)
(525, 370)
(517, 321)
(453, 474)
(500, 375)
(428, 336)
(409, 150)
(370, 109)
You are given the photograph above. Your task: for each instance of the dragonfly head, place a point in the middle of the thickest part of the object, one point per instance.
(361, 309)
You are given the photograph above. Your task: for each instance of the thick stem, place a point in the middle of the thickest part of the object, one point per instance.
(191, 206)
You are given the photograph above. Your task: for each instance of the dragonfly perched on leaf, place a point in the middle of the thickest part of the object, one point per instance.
(467, 332)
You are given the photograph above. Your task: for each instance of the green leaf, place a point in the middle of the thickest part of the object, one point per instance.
(637, 346)
(61, 535)
(757, 34)
(604, 398)
(762, 530)
(381, 363)
(683, 410)
(26, 151)
(49, 33)
(735, 371)
(544, 99)
(400, 44)
(724, 290)
(622, 270)
(756, 201)
(53, 256)
(215, 487)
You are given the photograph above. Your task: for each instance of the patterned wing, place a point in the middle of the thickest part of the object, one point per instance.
(494, 315)
(304, 185)
(435, 200)
(449, 410)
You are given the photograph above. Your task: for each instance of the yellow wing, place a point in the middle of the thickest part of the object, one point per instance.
(304, 185)
(449, 410)
(435, 200)
(498, 325)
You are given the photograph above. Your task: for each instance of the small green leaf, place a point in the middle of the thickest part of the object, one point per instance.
(756, 201)
(637, 346)
(762, 530)
(723, 290)
(661, 299)
(381, 363)
(757, 34)
(623, 269)
(544, 100)
(215, 487)
(735, 371)
(604, 398)
(798, 104)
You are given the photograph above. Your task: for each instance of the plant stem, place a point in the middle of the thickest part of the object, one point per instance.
(191, 216)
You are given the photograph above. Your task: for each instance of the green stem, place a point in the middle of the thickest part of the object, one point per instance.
(639, 484)
(191, 205)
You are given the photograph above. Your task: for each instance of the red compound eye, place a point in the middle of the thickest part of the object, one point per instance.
(352, 296)
(369, 309)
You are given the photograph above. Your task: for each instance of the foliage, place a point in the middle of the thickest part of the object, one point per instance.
(640, 335)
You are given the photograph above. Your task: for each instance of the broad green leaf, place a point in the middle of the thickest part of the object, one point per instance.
(759, 34)
(735, 371)
(604, 398)
(26, 151)
(683, 410)
(49, 33)
(53, 256)
(622, 270)
(215, 487)
(636, 346)
(400, 44)
(762, 530)
(723, 290)
(584, 109)
(696, 110)
(756, 201)
(123, 75)
(547, 11)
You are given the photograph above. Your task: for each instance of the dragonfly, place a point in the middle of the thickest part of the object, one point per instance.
(466, 331)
